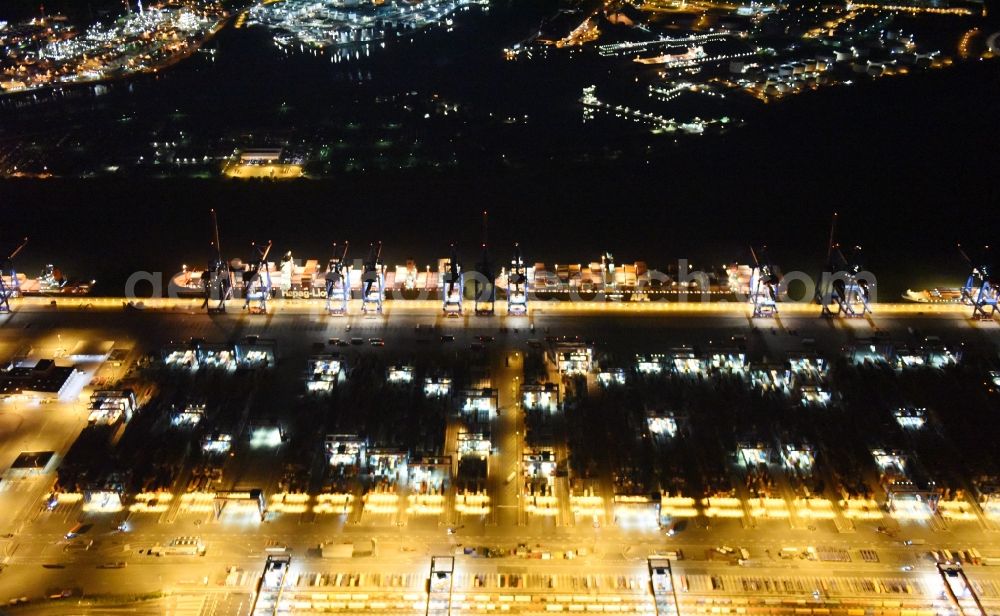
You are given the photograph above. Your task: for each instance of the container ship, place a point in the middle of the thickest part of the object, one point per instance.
(939, 295)
(50, 281)
(293, 278)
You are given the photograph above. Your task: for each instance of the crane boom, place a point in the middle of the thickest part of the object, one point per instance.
(965, 255)
(18, 250)
(830, 243)
(265, 252)
(215, 234)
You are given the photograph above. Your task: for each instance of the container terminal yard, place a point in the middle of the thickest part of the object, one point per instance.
(476, 452)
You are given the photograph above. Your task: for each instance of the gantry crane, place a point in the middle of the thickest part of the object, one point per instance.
(485, 281)
(609, 277)
(373, 281)
(980, 289)
(216, 280)
(517, 284)
(257, 281)
(11, 288)
(338, 281)
(452, 285)
(841, 286)
(960, 590)
(764, 281)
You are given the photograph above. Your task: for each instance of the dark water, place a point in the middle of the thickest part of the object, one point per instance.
(910, 163)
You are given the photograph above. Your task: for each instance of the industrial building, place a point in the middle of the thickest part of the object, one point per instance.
(42, 379)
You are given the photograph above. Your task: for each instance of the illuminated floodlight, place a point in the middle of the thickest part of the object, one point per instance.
(217, 443)
(676, 507)
(890, 461)
(541, 398)
(344, 450)
(686, 362)
(547, 506)
(319, 386)
(861, 509)
(437, 387)
(870, 352)
(910, 418)
(478, 401)
(800, 457)
(814, 508)
(941, 358)
(191, 415)
(381, 502)
(474, 444)
(265, 437)
(472, 503)
(734, 363)
(102, 501)
(151, 502)
(808, 367)
(587, 504)
(540, 464)
(636, 512)
(649, 364)
(662, 426)
(752, 455)
(606, 379)
(911, 508)
(323, 373)
(429, 478)
(775, 508)
(991, 508)
(425, 504)
(67, 498)
(574, 359)
(813, 395)
(257, 357)
(386, 463)
(909, 359)
(400, 375)
(108, 407)
(219, 358)
(723, 507)
(290, 503)
(957, 510)
(333, 503)
(771, 378)
(186, 358)
(477, 404)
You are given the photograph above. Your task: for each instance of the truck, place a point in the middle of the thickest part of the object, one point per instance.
(78, 530)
